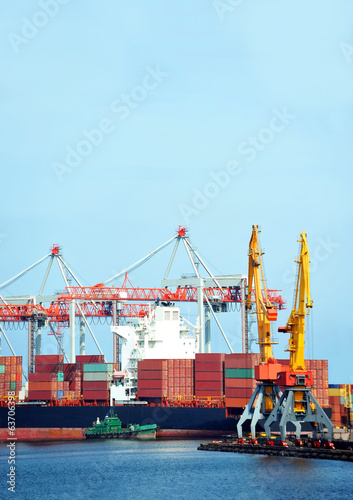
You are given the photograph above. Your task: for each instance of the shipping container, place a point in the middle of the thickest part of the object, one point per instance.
(49, 358)
(239, 373)
(207, 385)
(153, 374)
(208, 367)
(209, 357)
(97, 376)
(238, 393)
(241, 360)
(236, 402)
(49, 368)
(95, 395)
(212, 376)
(245, 383)
(40, 395)
(94, 386)
(155, 364)
(150, 393)
(98, 367)
(90, 358)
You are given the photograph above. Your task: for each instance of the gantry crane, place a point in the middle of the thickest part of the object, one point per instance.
(297, 403)
(267, 392)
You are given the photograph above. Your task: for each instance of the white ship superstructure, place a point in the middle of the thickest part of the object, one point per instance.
(162, 334)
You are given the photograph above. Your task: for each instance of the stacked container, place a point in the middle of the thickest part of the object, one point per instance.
(209, 376)
(97, 379)
(73, 375)
(152, 380)
(319, 368)
(239, 378)
(165, 377)
(339, 398)
(47, 382)
(10, 374)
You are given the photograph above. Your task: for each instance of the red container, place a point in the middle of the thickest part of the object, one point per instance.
(49, 368)
(152, 374)
(212, 376)
(208, 367)
(2, 377)
(41, 386)
(209, 357)
(94, 386)
(205, 386)
(95, 395)
(150, 393)
(208, 394)
(40, 395)
(41, 377)
(238, 393)
(153, 364)
(236, 402)
(241, 383)
(48, 358)
(90, 358)
(241, 360)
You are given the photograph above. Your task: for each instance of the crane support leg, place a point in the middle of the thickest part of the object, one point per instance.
(82, 337)
(258, 412)
(283, 412)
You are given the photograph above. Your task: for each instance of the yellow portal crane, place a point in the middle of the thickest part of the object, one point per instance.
(297, 404)
(267, 391)
(302, 302)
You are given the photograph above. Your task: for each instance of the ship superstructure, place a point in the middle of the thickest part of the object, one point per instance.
(161, 334)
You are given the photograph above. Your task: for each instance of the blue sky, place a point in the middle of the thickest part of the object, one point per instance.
(122, 120)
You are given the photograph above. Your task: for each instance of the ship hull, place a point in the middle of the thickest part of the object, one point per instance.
(36, 423)
(48, 423)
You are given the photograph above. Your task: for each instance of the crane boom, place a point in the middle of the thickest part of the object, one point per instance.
(302, 302)
(265, 311)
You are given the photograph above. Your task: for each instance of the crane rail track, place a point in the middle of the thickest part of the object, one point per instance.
(291, 451)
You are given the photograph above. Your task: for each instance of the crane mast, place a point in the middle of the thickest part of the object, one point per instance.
(302, 302)
(265, 312)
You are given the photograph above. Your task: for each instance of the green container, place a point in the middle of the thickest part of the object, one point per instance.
(60, 377)
(2, 368)
(239, 373)
(98, 367)
(13, 386)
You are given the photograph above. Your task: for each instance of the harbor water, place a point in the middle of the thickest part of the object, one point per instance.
(131, 469)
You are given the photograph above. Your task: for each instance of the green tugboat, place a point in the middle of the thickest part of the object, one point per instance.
(111, 427)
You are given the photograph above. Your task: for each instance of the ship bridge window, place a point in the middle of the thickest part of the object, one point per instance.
(175, 316)
(167, 315)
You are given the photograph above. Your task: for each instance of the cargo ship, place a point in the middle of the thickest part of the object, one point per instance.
(161, 379)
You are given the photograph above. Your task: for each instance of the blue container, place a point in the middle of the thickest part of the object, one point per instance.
(333, 386)
(60, 394)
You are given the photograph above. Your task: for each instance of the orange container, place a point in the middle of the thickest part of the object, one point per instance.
(236, 402)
